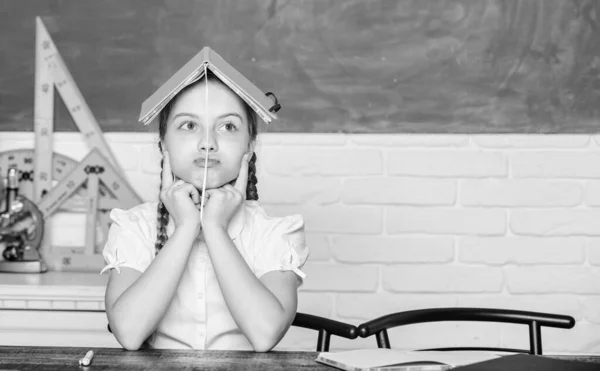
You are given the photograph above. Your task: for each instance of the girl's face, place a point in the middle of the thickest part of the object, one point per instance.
(195, 128)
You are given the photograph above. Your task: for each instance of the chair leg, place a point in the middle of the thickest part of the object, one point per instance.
(383, 341)
(535, 338)
(323, 341)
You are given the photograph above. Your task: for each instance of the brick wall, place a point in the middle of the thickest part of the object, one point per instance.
(400, 222)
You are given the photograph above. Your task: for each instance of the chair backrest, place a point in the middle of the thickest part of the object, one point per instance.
(326, 327)
(535, 320)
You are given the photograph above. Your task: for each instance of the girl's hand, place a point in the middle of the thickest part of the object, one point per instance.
(180, 198)
(222, 203)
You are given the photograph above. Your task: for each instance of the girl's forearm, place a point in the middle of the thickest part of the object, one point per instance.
(140, 308)
(255, 309)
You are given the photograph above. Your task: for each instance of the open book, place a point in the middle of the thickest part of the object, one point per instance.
(401, 360)
(193, 71)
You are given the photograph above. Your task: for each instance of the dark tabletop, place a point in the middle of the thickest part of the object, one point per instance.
(25, 358)
(67, 358)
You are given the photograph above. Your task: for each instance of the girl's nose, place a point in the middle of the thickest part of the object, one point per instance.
(208, 143)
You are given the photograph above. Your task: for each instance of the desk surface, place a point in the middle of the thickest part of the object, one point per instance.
(67, 358)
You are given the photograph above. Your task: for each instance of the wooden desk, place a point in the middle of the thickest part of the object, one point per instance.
(67, 358)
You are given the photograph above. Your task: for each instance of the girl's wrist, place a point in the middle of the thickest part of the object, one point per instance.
(212, 229)
(190, 230)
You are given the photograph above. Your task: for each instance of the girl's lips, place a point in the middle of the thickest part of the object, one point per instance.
(210, 163)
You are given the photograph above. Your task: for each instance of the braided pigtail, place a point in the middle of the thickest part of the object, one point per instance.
(251, 191)
(162, 219)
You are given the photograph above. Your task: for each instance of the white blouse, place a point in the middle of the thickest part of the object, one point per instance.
(198, 317)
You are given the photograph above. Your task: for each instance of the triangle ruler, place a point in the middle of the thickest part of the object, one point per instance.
(50, 73)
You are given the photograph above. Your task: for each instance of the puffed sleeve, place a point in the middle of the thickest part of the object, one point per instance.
(129, 242)
(282, 247)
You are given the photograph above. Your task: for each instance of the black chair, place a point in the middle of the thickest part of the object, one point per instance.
(534, 320)
(326, 327)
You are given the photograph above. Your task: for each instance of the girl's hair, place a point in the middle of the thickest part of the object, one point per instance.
(251, 191)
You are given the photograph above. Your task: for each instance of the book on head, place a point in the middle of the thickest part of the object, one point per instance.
(193, 71)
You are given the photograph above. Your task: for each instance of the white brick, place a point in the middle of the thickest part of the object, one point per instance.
(377, 249)
(318, 304)
(301, 139)
(319, 161)
(521, 250)
(365, 307)
(593, 251)
(341, 344)
(318, 245)
(592, 193)
(128, 155)
(448, 163)
(335, 219)
(132, 137)
(299, 190)
(553, 279)
(555, 164)
(399, 191)
(89, 305)
(445, 334)
(531, 141)
(9, 145)
(581, 339)
(445, 221)
(330, 277)
(39, 304)
(411, 140)
(441, 278)
(76, 149)
(556, 304)
(15, 304)
(146, 185)
(517, 193)
(151, 158)
(63, 304)
(591, 308)
(563, 222)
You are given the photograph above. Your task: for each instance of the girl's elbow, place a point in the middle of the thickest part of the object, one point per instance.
(265, 340)
(128, 337)
(263, 346)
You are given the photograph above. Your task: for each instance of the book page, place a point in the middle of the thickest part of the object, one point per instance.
(372, 359)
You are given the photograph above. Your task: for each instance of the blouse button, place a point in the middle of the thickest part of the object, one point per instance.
(202, 259)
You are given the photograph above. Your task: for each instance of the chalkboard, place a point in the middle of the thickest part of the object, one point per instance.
(353, 66)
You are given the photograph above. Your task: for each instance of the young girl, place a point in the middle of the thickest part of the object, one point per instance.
(228, 281)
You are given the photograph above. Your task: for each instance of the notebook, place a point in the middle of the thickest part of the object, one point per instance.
(401, 360)
(526, 362)
(193, 71)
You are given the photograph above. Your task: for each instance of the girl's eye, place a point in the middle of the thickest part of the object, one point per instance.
(188, 125)
(229, 127)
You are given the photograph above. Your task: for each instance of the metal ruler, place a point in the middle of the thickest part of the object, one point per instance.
(51, 72)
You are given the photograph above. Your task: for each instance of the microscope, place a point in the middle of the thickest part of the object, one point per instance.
(21, 229)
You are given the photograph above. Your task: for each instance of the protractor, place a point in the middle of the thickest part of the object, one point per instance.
(62, 165)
